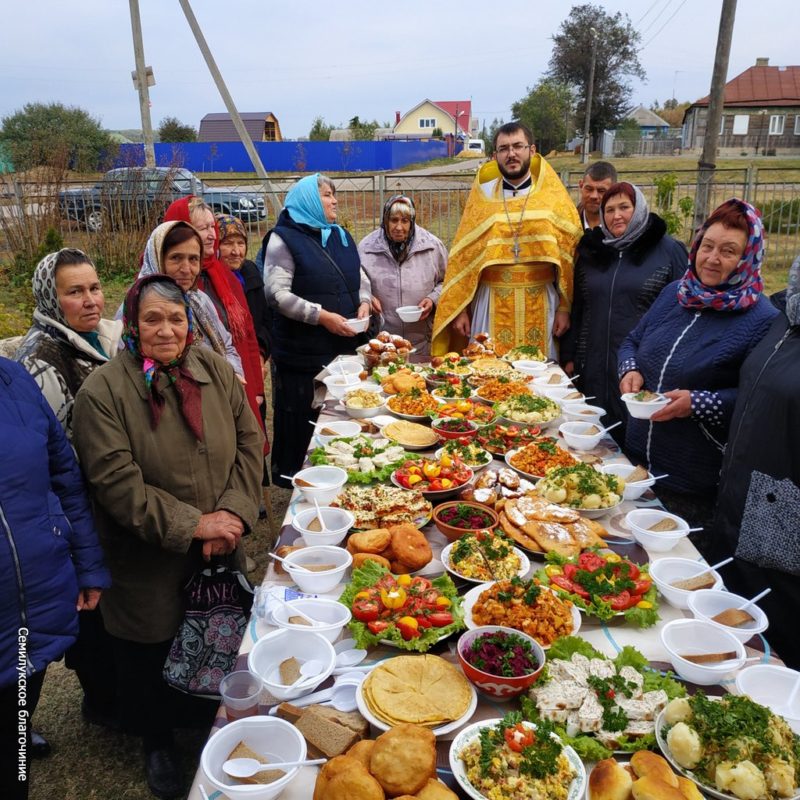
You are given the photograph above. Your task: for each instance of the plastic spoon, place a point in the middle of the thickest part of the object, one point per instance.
(323, 528)
(304, 483)
(290, 563)
(343, 697)
(755, 599)
(309, 669)
(344, 644)
(296, 611)
(349, 658)
(610, 427)
(247, 767)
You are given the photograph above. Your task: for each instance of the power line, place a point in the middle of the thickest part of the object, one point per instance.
(646, 13)
(656, 18)
(655, 35)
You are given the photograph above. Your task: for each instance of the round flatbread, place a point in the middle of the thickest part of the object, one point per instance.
(410, 434)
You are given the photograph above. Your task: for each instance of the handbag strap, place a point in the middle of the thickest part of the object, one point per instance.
(353, 296)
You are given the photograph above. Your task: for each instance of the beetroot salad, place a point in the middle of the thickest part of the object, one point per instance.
(500, 653)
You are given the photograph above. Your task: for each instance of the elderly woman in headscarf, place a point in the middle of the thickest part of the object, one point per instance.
(405, 264)
(68, 338)
(176, 249)
(226, 293)
(758, 511)
(689, 347)
(233, 254)
(173, 457)
(314, 282)
(621, 267)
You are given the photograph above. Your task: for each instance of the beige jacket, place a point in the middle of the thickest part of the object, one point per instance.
(150, 487)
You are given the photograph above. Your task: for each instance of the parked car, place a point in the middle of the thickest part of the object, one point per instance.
(140, 195)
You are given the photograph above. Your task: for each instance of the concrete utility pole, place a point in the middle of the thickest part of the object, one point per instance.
(229, 104)
(589, 93)
(706, 165)
(141, 80)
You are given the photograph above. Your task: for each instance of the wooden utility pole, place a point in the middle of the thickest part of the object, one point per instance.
(229, 104)
(589, 93)
(141, 85)
(706, 165)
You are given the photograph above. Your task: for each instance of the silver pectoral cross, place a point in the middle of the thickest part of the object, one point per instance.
(516, 250)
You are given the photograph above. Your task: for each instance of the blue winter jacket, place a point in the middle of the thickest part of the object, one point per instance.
(678, 348)
(48, 545)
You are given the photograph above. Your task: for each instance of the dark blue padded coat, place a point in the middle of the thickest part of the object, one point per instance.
(679, 348)
(48, 545)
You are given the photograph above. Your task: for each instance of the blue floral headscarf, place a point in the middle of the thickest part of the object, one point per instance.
(305, 207)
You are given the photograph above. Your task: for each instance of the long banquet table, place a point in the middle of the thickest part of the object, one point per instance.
(608, 637)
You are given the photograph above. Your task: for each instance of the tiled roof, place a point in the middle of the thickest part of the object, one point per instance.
(450, 107)
(762, 86)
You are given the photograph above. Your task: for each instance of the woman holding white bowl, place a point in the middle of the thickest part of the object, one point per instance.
(406, 265)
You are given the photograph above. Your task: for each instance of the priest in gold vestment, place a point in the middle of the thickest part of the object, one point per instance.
(510, 268)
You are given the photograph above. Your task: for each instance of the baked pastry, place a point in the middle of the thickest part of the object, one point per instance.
(403, 759)
(610, 781)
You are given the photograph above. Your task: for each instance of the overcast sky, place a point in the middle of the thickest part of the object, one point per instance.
(366, 57)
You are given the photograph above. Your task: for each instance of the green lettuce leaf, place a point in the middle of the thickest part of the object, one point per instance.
(368, 575)
(565, 646)
(318, 457)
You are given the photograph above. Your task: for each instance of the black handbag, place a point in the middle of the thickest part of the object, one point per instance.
(218, 601)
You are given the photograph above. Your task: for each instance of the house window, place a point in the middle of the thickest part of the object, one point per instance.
(797, 125)
(741, 122)
(776, 122)
(427, 122)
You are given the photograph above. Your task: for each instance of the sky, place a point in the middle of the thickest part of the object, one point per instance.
(301, 59)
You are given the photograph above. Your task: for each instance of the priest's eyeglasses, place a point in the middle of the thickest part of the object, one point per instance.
(517, 147)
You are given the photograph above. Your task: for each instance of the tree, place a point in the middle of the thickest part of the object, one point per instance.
(171, 129)
(54, 135)
(488, 135)
(672, 111)
(547, 110)
(363, 131)
(630, 134)
(616, 59)
(320, 130)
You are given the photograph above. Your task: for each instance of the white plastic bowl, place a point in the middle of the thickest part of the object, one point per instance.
(343, 428)
(559, 393)
(338, 521)
(332, 613)
(268, 736)
(641, 410)
(366, 413)
(575, 435)
(633, 491)
(581, 412)
(358, 325)
(528, 367)
(327, 481)
(771, 686)
(318, 582)
(666, 571)
(543, 381)
(707, 603)
(641, 519)
(409, 313)
(695, 637)
(337, 385)
(269, 651)
(349, 365)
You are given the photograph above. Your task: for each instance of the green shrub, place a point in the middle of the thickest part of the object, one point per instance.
(781, 216)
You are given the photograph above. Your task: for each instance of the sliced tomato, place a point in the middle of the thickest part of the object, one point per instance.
(635, 600)
(563, 583)
(633, 571)
(618, 602)
(441, 618)
(570, 570)
(366, 610)
(430, 596)
(407, 631)
(642, 586)
(519, 737)
(386, 581)
(579, 590)
(423, 620)
(590, 561)
(377, 626)
(420, 584)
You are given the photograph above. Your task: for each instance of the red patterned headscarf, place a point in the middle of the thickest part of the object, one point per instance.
(744, 286)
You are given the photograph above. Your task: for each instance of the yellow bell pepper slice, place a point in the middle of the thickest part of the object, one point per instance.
(403, 580)
(446, 483)
(553, 569)
(393, 598)
(363, 596)
(644, 604)
(464, 406)
(444, 602)
(446, 460)
(431, 470)
(412, 479)
(612, 558)
(410, 621)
